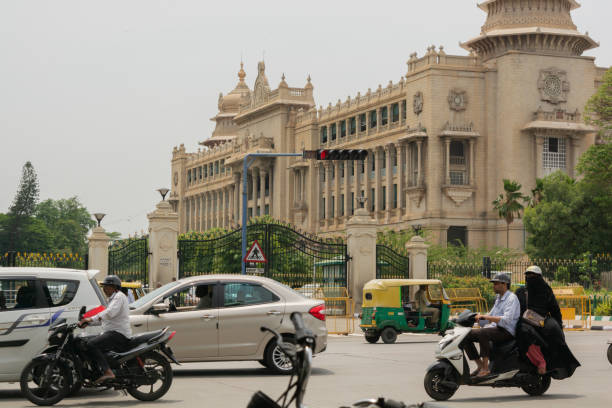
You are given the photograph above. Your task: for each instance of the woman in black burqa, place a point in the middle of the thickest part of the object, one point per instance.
(538, 296)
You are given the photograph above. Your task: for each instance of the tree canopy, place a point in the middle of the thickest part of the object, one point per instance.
(26, 198)
(598, 110)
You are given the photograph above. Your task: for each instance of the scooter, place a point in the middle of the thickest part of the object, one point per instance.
(508, 368)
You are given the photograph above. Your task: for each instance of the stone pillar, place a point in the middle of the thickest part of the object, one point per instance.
(378, 182)
(262, 191)
(237, 198)
(368, 183)
(447, 143)
(356, 184)
(98, 251)
(472, 163)
(417, 250)
(401, 175)
(419, 181)
(347, 189)
(336, 189)
(389, 173)
(361, 246)
(163, 242)
(539, 156)
(198, 214)
(328, 191)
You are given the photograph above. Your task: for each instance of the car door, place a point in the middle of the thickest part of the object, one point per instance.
(194, 316)
(24, 318)
(246, 306)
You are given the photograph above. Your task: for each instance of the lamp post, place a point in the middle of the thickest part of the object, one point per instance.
(99, 217)
(163, 191)
(417, 229)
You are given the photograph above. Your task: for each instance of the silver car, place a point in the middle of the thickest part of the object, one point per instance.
(218, 318)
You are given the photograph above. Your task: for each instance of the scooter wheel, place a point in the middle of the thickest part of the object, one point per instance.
(433, 385)
(610, 353)
(537, 387)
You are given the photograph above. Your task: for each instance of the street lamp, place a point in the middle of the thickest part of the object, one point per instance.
(417, 229)
(361, 200)
(99, 217)
(163, 192)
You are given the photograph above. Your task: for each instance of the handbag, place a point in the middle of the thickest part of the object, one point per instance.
(531, 317)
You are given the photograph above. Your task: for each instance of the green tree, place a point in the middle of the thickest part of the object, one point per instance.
(26, 198)
(69, 221)
(508, 205)
(598, 110)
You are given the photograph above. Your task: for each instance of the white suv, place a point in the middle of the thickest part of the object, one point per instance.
(31, 299)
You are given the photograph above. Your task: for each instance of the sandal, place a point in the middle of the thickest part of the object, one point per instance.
(104, 378)
(483, 373)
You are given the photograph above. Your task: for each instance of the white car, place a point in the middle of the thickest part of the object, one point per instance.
(31, 299)
(218, 318)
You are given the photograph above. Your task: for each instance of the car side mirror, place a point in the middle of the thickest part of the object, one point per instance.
(159, 308)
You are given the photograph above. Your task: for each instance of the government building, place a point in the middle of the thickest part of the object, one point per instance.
(440, 140)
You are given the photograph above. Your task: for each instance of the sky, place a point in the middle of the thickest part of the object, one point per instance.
(97, 93)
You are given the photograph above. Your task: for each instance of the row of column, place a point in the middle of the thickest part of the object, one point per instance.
(470, 161)
(256, 182)
(373, 189)
(209, 210)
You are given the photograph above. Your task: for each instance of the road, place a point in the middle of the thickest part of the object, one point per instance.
(352, 369)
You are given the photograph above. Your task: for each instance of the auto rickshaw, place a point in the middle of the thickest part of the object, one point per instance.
(134, 288)
(390, 307)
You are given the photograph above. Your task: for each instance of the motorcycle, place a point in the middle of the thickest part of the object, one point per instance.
(508, 369)
(142, 368)
(300, 355)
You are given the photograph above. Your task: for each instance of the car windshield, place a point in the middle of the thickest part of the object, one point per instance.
(152, 295)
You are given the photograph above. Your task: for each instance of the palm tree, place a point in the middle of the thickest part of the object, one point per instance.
(508, 205)
(536, 193)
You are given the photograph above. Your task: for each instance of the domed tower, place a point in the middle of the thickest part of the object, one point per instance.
(538, 26)
(229, 105)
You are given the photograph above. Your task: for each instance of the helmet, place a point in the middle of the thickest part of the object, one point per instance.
(534, 269)
(112, 280)
(501, 277)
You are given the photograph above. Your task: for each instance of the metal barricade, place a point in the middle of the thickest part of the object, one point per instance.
(573, 302)
(466, 298)
(339, 309)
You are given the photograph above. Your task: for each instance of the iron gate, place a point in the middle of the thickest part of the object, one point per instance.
(390, 264)
(293, 258)
(129, 259)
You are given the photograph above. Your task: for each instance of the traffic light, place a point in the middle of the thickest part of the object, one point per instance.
(336, 154)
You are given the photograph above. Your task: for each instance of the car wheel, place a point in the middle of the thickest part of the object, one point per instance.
(372, 338)
(276, 360)
(389, 335)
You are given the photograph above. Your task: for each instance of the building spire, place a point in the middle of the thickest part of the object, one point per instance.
(241, 73)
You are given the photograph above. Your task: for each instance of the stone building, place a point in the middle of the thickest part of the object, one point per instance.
(441, 139)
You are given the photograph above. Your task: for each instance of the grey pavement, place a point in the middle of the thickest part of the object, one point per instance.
(352, 369)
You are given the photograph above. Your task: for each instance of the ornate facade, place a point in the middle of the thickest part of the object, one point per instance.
(441, 139)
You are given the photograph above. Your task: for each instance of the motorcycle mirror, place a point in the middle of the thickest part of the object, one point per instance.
(82, 312)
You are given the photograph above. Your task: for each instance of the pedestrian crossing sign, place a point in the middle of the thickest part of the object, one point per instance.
(255, 254)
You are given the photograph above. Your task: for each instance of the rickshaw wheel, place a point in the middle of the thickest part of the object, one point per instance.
(389, 335)
(372, 338)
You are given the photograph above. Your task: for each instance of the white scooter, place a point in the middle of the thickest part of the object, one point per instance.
(444, 377)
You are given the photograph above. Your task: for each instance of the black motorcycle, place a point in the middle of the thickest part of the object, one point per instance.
(141, 368)
(300, 355)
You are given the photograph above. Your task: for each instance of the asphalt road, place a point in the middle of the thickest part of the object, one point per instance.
(352, 369)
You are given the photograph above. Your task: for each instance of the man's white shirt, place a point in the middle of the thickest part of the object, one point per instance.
(116, 317)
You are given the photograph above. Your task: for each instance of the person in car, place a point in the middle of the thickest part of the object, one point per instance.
(498, 326)
(116, 330)
(544, 346)
(205, 294)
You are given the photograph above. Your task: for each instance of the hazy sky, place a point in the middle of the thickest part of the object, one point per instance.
(96, 93)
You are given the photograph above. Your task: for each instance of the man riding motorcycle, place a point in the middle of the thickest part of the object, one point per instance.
(116, 330)
(499, 325)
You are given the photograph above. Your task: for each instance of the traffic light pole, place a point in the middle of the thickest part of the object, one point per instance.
(245, 166)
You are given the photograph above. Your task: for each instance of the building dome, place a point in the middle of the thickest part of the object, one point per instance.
(230, 103)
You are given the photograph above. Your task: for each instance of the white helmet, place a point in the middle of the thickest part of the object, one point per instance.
(534, 269)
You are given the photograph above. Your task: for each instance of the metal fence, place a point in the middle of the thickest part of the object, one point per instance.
(293, 258)
(586, 271)
(44, 259)
(390, 264)
(129, 259)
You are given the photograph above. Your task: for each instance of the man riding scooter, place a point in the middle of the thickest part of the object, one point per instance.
(498, 326)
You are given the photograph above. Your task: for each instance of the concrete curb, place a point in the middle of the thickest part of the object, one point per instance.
(601, 327)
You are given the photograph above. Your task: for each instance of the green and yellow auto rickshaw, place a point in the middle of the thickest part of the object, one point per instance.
(393, 306)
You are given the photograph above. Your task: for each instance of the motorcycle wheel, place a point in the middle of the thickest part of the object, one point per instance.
(538, 387)
(610, 353)
(433, 387)
(157, 367)
(57, 387)
(372, 338)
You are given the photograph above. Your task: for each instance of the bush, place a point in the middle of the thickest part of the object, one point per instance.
(603, 309)
(562, 275)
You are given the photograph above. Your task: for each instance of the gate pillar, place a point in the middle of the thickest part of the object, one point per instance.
(361, 247)
(417, 250)
(163, 241)
(98, 251)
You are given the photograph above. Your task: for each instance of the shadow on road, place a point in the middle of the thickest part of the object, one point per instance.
(235, 372)
(76, 401)
(517, 398)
